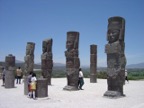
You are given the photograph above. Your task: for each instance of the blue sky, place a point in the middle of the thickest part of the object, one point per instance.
(23, 21)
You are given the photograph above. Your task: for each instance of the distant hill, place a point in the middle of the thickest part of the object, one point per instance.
(139, 65)
(62, 65)
(36, 65)
(59, 64)
(21, 64)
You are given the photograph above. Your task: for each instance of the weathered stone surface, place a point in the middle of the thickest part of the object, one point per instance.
(93, 63)
(113, 94)
(29, 58)
(1, 69)
(93, 49)
(25, 85)
(93, 59)
(10, 71)
(47, 60)
(29, 64)
(42, 88)
(116, 60)
(93, 78)
(72, 61)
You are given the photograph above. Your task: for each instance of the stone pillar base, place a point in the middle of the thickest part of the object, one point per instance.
(9, 79)
(93, 79)
(113, 94)
(42, 88)
(70, 88)
(25, 85)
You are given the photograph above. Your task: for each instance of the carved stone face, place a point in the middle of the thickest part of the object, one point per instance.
(46, 46)
(69, 45)
(28, 49)
(113, 35)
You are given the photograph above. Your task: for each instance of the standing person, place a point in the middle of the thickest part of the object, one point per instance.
(29, 82)
(18, 75)
(3, 76)
(81, 80)
(33, 85)
(126, 74)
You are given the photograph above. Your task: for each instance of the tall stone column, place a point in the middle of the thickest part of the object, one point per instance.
(29, 64)
(10, 71)
(93, 63)
(47, 60)
(116, 60)
(72, 60)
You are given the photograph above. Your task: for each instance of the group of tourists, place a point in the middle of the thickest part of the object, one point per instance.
(32, 80)
(19, 75)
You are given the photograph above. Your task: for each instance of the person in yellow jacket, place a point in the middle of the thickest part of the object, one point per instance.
(18, 75)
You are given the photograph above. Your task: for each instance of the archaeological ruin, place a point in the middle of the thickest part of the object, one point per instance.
(29, 64)
(47, 59)
(116, 61)
(10, 71)
(72, 60)
(93, 63)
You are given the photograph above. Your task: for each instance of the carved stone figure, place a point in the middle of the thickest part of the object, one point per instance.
(10, 71)
(93, 63)
(29, 64)
(29, 58)
(47, 59)
(72, 60)
(116, 60)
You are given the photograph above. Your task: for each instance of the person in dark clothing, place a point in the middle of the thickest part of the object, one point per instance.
(126, 76)
(3, 76)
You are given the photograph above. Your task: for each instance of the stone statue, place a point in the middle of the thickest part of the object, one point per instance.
(116, 60)
(10, 71)
(72, 60)
(93, 63)
(29, 64)
(47, 59)
(29, 58)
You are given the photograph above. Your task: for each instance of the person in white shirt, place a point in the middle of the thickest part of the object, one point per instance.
(81, 80)
(29, 82)
(33, 85)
